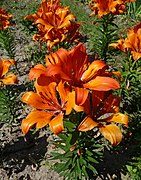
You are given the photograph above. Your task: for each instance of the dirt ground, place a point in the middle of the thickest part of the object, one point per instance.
(24, 158)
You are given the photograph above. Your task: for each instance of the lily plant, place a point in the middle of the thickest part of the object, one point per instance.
(56, 24)
(4, 19)
(74, 97)
(4, 68)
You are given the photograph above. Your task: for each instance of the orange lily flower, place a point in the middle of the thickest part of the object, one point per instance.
(104, 110)
(131, 43)
(74, 67)
(48, 109)
(54, 22)
(4, 19)
(119, 45)
(4, 67)
(104, 7)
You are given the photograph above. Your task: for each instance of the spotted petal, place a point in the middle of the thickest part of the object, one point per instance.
(34, 100)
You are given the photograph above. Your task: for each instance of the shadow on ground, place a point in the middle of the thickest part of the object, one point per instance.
(15, 156)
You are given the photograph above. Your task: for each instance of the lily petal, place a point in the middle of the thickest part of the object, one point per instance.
(118, 118)
(44, 80)
(63, 92)
(57, 57)
(9, 79)
(39, 118)
(136, 55)
(71, 104)
(110, 104)
(37, 71)
(57, 70)
(102, 84)
(34, 100)
(81, 95)
(92, 70)
(97, 98)
(112, 133)
(87, 124)
(49, 92)
(5, 65)
(67, 21)
(56, 124)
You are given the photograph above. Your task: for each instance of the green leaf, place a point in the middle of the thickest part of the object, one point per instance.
(62, 136)
(74, 138)
(56, 156)
(89, 153)
(84, 171)
(68, 145)
(69, 125)
(92, 159)
(58, 144)
(92, 168)
(78, 166)
(68, 154)
(66, 173)
(129, 168)
(66, 167)
(81, 160)
(59, 167)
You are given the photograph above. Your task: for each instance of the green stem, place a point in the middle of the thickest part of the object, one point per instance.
(132, 67)
(107, 21)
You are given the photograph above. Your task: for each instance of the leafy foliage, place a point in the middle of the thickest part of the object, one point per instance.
(7, 43)
(28, 26)
(8, 104)
(77, 156)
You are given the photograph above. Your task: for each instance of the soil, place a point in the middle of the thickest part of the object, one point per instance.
(24, 158)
